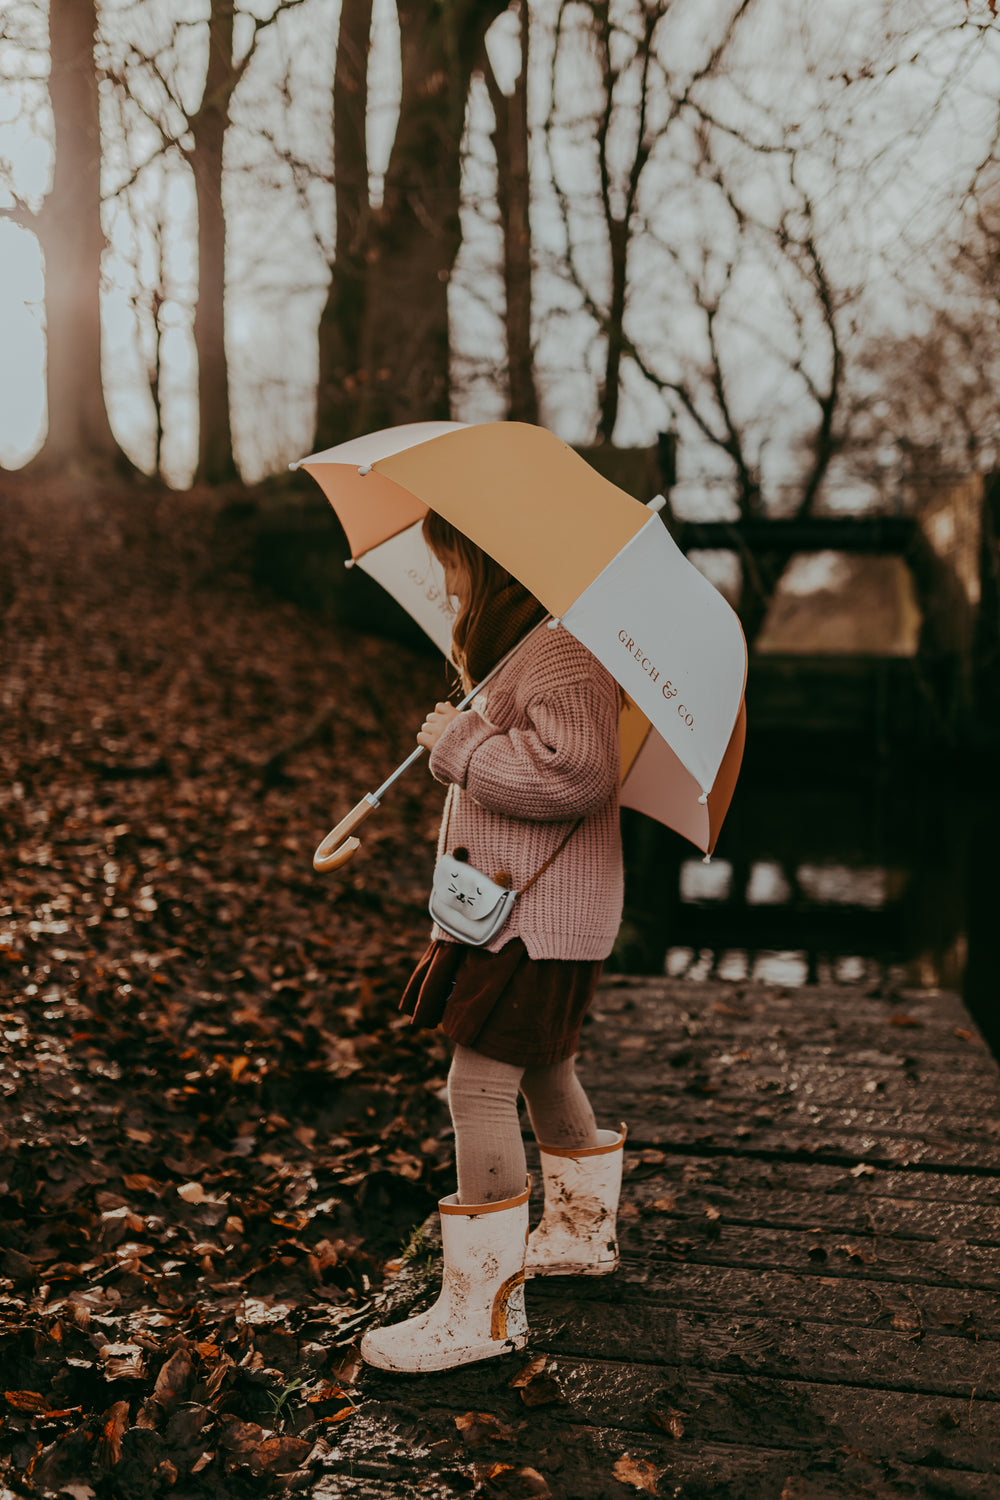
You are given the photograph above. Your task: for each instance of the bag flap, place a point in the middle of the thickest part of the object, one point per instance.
(465, 889)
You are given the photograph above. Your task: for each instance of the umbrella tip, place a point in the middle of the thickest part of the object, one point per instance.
(365, 469)
(703, 798)
(657, 503)
(348, 562)
(707, 860)
(554, 623)
(294, 466)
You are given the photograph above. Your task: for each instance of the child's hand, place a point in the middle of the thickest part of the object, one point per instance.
(435, 724)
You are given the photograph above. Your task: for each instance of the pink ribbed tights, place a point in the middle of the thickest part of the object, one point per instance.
(482, 1097)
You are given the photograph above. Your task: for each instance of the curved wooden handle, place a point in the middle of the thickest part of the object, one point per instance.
(338, 846)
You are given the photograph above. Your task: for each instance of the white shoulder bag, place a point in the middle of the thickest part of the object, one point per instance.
(470, 906)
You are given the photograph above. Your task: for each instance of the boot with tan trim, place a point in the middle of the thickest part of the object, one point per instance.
(577, 1234)
(480, 1312)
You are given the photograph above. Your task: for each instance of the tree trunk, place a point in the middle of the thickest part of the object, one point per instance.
(72, 241)
(208, 129)
(510, 140)
(384, 347)
(619, 241)
(342, 324)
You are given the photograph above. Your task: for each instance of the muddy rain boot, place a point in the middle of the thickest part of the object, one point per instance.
(480, 1311)
(576, 1236)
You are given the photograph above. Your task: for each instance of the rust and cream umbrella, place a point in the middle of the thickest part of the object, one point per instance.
(601, 563)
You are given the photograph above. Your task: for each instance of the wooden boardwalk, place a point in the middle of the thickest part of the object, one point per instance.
(808, 1302)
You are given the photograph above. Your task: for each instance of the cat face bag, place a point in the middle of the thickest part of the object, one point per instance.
(467, 904)
(470, 906)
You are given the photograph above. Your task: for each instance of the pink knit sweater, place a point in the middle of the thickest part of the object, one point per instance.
(541, 752)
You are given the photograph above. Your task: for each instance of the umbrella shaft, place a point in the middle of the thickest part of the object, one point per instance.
(376, 797)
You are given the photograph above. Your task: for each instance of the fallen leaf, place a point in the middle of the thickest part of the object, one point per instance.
(668, 1421)
(138, 1182)
(113, 1425)
(123, 1361)
(26, 1401)
(527, 1374)
(637, 1472)
(172, 1379)
(544, 1390)
(534, 1483)
(855, 1252)
(279, 1455)
(481, 1427)
(506, 1480)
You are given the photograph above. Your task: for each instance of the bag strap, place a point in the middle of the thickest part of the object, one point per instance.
(551, 859)
(527, 886)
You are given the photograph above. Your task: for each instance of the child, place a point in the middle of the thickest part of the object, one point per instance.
(532, 775)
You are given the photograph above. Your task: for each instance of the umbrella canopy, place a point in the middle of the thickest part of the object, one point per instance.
(596, 558)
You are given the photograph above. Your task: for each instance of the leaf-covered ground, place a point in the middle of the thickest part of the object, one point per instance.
(214, 1126)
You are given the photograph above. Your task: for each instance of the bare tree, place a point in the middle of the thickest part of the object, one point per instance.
(152, 81)
(68, 226)
(731, 256)
(208, 133)
(384, 342)
(511, 142)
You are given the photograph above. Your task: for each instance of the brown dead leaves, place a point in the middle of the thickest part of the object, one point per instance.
(213, 1125)
(637, 1472)
(537, 1383)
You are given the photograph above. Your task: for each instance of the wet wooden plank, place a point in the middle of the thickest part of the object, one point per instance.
(879, 1257)
(431, 1462)
(759, 1197)
(810, 1229)
(640, 1332)
(675, 1009)
(816, 1040)
(742, 1292)
(702, 1000)
(918, 1429)
(615, 1407)
(742, 1076)
(689, 1169)
(970, 1063)
(854, 1135)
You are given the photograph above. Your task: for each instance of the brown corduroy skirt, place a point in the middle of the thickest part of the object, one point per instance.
(516, 1009)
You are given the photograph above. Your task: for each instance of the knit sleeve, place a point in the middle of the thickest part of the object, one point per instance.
(563, 764)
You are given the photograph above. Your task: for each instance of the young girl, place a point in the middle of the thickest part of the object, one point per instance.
(532, 772)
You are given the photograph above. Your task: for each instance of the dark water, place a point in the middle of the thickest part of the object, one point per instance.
(834, 866)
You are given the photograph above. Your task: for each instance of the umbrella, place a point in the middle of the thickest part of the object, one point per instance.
(600, 562)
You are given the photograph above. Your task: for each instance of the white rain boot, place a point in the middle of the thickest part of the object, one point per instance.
(576, 1236)
(480, 1311)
